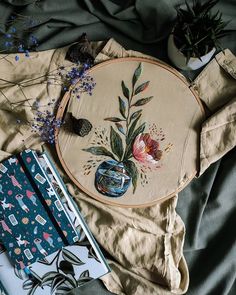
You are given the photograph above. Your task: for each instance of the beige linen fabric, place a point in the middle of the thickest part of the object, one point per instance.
(146, 245)
(216, 86)
(14, 137)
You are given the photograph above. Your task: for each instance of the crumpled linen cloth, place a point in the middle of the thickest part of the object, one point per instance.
(216, 86)
(146, 244)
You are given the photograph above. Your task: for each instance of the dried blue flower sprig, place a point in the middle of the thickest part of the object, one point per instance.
(45, 124)
(78, 78)
(12, 40)
(13, 43)
(75, 79)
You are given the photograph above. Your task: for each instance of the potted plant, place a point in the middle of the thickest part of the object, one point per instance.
(196, 34)
(129, 143)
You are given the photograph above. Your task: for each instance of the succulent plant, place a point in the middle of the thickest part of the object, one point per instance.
(198, 30)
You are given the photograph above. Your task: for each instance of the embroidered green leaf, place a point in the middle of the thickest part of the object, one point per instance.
(133, 172)
(125, 90)
(141, 87)
(113, 119)
(116, 143)
(120, 128)
(132, 137)
(142, 101)
(135, 115)
(137, 74)
(70, 257)
(99, 151)
(139, 130)
(122, 107)
(132, 128)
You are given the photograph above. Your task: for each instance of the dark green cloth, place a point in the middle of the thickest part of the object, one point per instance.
(207, 205)
(60, 22)
(141, 25)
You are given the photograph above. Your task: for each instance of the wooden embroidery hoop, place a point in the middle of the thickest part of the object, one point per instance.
(62, 110)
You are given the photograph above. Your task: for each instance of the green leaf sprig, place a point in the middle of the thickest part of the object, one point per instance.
(126, 125)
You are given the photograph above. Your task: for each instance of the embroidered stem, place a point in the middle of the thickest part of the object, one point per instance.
(128, 123)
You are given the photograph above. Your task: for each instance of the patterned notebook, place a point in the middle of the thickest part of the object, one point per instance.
(66, 268)
(33, 221)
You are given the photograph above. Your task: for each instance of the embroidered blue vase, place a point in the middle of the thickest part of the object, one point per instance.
(112, 179)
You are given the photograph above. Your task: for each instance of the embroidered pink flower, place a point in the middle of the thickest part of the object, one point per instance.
(146, 150)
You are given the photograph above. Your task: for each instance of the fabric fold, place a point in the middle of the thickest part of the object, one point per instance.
(216, 86)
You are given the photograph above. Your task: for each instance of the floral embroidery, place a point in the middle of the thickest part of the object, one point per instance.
(128, 145)
(146, 150)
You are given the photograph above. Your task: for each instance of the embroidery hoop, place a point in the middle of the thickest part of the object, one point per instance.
(115, 201)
